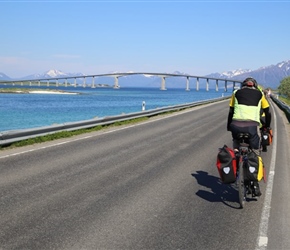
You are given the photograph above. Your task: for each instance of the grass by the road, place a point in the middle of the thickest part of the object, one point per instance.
(66, 134)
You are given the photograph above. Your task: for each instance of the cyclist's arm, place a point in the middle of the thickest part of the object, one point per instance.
(231, 112)
(266, 108)
(268, 117)
(264, 102)
(230, 117)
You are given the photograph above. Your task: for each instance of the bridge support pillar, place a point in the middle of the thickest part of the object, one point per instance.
(162, 83)
(93, 82)
(226, 85)
(234, 86)
(84, 82)
(187, 84)
(216, 85)
(197, 84)
(207, 84)
(116, 85)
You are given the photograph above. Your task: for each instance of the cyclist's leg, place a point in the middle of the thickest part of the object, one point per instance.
(263, 144)
(255, 139)
(263, 122)
(235, 131)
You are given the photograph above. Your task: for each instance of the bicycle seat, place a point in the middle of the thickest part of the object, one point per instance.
(244, 136)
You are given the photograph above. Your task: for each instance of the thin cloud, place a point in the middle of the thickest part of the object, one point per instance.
(10, 60)
(64, 56)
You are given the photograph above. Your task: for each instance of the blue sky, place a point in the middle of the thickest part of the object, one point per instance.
(96, 37)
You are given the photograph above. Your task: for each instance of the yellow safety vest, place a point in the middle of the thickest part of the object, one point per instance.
(247, 112)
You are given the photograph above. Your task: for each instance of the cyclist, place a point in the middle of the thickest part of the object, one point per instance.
(263, 127)
(244, 116)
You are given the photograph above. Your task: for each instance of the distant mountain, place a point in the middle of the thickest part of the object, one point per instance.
(53, 73)
(230, 74)
(269, 76)
(4, 77)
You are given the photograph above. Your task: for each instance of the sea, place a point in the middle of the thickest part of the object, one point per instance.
(26, 111)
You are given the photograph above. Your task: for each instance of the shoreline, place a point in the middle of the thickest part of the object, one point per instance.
(52, 92)
(36, 91)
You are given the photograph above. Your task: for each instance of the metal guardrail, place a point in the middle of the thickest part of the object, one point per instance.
(283, 106)
(11, 136)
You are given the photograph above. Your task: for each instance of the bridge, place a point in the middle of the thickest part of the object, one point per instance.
(116, 76)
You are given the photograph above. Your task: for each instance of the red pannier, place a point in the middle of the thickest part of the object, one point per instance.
(227, 164)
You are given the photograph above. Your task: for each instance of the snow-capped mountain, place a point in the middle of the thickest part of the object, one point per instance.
(53, 73)
(236, 72)
(269, 76)
(230, 74)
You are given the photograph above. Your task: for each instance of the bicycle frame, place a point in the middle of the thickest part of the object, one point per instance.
(243, 151)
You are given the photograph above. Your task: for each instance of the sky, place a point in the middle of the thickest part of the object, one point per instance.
(99, 37)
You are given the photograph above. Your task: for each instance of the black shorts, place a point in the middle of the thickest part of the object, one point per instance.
(254, 140)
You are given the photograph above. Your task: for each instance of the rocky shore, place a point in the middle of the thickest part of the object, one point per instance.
(35, 91)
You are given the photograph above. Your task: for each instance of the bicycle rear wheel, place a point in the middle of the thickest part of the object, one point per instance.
(241, 185)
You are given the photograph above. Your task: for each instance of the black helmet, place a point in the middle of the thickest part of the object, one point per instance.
(250, 82)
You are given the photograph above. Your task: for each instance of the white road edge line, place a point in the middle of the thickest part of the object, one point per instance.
(262, 240)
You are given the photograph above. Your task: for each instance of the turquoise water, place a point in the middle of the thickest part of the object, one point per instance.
(22, 111)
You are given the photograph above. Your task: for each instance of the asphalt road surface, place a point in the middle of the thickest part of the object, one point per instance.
(151, 185)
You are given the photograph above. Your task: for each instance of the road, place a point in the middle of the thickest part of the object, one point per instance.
(151, 185)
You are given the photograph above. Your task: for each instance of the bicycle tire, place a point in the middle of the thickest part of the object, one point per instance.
(241, 184)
